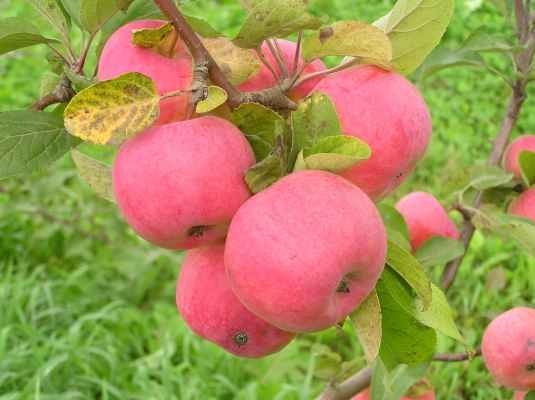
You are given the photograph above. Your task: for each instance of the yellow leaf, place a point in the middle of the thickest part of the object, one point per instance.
(112, 111)
(216, 97)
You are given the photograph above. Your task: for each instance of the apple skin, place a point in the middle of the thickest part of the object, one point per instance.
(178, 185)
(264, 79)
(510, 159)
(520, 395)
(121, 56)
(386, 111)
(524, 205)
(365, 395)
(305, 252)
(508, 348)
(212, 311)
(426, 218)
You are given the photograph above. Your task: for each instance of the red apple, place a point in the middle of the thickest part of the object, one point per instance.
(524, 205)
(521, 143)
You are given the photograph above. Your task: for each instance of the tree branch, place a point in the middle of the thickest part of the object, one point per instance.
(362, 379)
(204, 61)
(61, 94)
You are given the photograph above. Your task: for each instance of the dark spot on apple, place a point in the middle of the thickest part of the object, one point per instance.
(530, 367)
(241, 339)
(326, 33)
(197, 231)
(343, 286)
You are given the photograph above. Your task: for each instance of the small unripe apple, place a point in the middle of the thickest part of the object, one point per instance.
(510, 159)
(212, 311)
(305, 252)
(170, 74)
(386, 111)
(508, 348)
(425, 218)
(178, 185)
(264, 78)
(524, 205)
(366, 395)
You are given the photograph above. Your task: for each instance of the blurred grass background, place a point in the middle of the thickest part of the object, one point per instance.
(87, 309)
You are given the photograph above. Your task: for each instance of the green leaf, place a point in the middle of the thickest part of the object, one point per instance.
(216, 97)
(415, 28)
(110, 112)
(16, 33)
(336, 153)
(315, 118)
(73, 9)
(31, 140)
(439, 315)
(350, 38)
(161, 39)
(237, 64)
(396, 227)
(367, 320)
(97, 174)
(79, 82)
(202, 27)
(508, 227)
(410, 269)
(261, 125)
(393, 385)
(265, 173)
(405, 340)
(51, 10)
(484, 177)
(95, 13)
(438, 251)
(526, 160)
(274, 18)
(49, 81)
(530, 396)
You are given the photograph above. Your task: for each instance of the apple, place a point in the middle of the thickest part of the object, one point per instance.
(178, 185)
(305, 252)
(520, 395)
(264, 78)
(121, 56)
(524, 205)
(425, 218)
(212, 311)
(510, 159)
(386, 111)
(508, 348)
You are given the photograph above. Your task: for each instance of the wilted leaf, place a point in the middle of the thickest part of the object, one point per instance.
(393, 385)
(265, 173)
(415, 28)
(350, 38)
(274, 18)
(97, 174)
(439, 315)
(261, 125)
(367, 321)
(336, 153)
(526, 160)
(237, 64)
(113, 111)
(439, 251)
(31, 140)
(410, 269)
(216, 97)
(16, 33)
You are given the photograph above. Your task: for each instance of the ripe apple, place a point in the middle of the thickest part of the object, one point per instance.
(305, 252)
(509, 348)
(386, 111)
(170, 74)
(425, 218)
(366, 395)
(264, 78)
(212, 311)
(524, 205)
(510, 159)
(178, 185)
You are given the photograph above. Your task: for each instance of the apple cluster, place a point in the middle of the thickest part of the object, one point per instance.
(300, 255)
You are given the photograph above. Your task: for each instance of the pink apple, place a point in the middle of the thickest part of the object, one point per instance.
(524, 205)
(178, 185)
(121, 56)
(425, 218)
(264, 78)
(521, 143)
(305, 252)
(212, 311)
(386, 111)
(509, 348)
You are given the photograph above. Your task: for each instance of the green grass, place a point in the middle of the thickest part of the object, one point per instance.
(88, 309)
